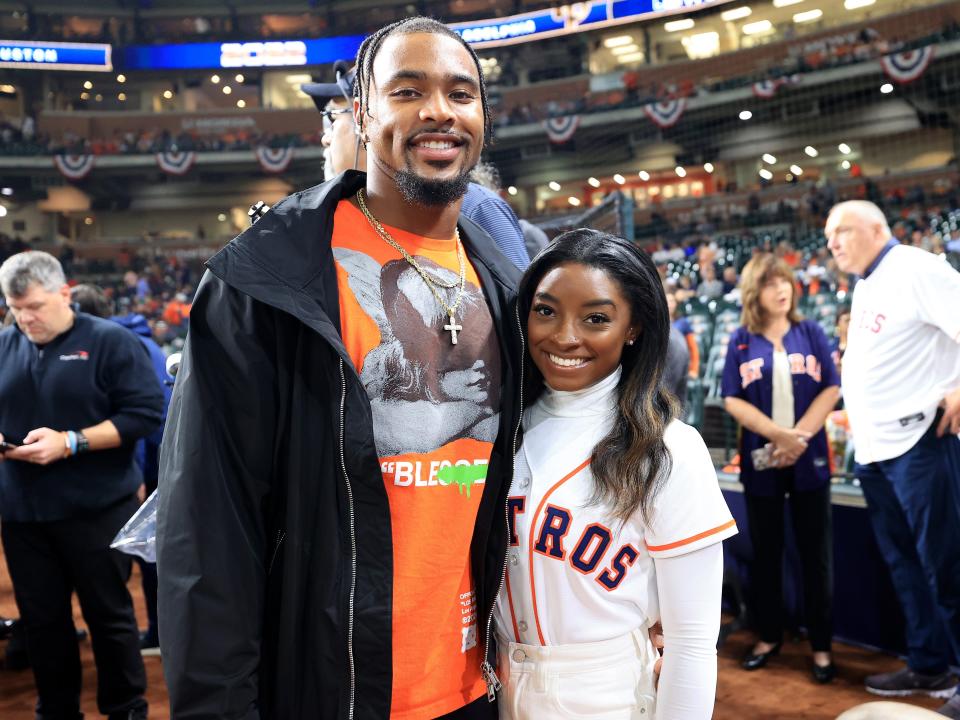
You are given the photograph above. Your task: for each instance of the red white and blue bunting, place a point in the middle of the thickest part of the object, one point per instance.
(667, 113)
(176, 162)
(561, 129)
(766, 89)
(74, 167)
(274, 160)
(907, 66)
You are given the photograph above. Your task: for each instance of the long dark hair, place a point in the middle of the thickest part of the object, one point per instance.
(630, 463)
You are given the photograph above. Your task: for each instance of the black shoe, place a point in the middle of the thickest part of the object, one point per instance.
(755, 661)
(149, 644)
(907, 682)
(824, 673)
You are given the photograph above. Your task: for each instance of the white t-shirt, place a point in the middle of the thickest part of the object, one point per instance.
(903, 351)
(782, 408)
(574, 573)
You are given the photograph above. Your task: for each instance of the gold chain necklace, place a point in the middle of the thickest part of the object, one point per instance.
(453, 328)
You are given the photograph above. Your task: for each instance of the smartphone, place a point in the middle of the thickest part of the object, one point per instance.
(7, 445)
(762, 458)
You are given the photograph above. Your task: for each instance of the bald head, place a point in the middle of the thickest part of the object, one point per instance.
(856, 232)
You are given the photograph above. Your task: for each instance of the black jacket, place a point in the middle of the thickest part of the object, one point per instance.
(94, 371)
(273, 541)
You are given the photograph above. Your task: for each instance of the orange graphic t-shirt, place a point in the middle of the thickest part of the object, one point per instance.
(436, 409)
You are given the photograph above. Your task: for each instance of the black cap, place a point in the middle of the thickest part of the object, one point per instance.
(322, 93)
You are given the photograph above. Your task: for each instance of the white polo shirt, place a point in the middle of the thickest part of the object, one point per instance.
(903, 351)
(574, 573)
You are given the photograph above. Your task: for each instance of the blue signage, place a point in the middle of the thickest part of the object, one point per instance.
(567, 19)
(55, 55)
(268, 54)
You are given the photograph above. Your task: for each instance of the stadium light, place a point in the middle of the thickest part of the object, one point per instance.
(856, 4)
(618, 41)
(215, 79)
(631, 58)
(227, 89)
(241, 103)
(756, 28)
(808, 16)
(644, 175)
(574, 201)
(745, 114)
(678, 25)
(680, 171)
(785, 3)
(886, 88)
(239, 78)
(554, 185)
(3, 211)
(766, 174)
(811, 151)
(84, 96)
(701, 45)
(122, 97)
(796, 170)
(87, 85)
(708, 167)
(8, 191)
(593, 182)
(121, 78)
(736, 14)
(844, 148)
(221, 217)
(626, 49)
(512, 190)
(167, 94)
(619, 179)
(845, 164)
(769, 159)
(98, 97)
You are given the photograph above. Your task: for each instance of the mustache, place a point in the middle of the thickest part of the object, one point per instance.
(450, 134)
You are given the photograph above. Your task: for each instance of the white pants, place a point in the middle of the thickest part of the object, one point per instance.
(609, 680)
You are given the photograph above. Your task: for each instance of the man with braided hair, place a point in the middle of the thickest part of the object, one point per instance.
(331, 533)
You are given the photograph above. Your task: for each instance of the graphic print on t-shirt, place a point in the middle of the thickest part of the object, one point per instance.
(413, 374)
(435, 409)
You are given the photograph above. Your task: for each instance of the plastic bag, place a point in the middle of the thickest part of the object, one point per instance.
(139, 535)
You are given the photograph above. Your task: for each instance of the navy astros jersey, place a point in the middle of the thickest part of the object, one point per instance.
(748, 375)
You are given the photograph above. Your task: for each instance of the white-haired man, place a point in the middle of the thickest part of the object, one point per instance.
(901, 387)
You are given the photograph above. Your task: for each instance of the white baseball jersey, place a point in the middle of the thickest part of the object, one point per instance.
(903, 351)
(575, 574)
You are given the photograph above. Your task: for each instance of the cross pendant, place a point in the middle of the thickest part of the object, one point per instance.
(453, 328)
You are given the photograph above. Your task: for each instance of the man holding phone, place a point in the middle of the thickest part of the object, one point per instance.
(78, 392)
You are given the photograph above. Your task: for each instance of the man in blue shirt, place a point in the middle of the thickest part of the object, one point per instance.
(77, 393)
(345, 151)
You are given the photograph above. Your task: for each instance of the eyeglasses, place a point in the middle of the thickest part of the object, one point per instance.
(330, 115)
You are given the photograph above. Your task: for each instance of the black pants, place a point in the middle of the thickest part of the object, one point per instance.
(811, 516)
(47, 562)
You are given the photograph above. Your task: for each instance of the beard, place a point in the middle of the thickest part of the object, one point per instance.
(418, 190)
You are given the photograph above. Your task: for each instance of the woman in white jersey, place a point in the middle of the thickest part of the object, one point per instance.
(615, 515)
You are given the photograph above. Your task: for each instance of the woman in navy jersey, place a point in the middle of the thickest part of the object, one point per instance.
(780, 383)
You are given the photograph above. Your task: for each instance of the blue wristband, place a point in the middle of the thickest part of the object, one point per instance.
(72, 439)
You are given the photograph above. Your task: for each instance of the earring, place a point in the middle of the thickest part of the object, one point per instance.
(629, 342)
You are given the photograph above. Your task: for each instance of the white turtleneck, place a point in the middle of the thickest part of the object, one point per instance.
(578, 575)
